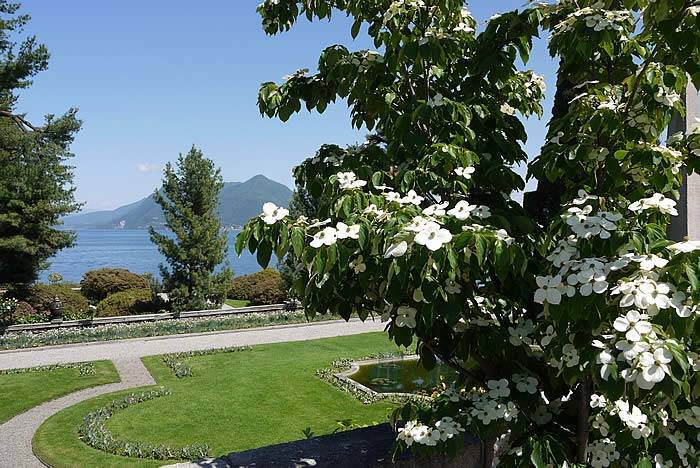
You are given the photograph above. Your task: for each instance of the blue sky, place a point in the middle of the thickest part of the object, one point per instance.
(151, 78)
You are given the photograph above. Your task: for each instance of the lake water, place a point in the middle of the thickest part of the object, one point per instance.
(127, 248)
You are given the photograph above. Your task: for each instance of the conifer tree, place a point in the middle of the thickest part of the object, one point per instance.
(36, 183)
(195, 245)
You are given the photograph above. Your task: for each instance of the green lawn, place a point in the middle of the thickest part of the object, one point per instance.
(237, 302)
(234, 401)
(20, 392)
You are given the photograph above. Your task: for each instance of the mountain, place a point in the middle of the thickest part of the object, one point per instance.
(238, 202)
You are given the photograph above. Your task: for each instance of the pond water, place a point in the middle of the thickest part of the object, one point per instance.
(401, 376)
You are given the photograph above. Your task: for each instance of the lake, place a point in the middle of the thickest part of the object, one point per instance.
(125, 248)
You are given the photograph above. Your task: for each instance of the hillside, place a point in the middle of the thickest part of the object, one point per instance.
(239, 201)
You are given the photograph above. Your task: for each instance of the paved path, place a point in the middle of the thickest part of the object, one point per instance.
(17, 433)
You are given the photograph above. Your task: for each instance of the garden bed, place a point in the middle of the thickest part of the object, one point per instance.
(176, 326)
(230, 401)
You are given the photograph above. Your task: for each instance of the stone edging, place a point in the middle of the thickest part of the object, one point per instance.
(338, 376)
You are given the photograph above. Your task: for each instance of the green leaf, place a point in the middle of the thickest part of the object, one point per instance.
(298, 241)
(355, 30)
(537, 457)
(692, 277)
(264, 254)
(480, 246)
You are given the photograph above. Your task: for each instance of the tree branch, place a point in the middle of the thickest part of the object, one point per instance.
(582, 427)
(21, 122)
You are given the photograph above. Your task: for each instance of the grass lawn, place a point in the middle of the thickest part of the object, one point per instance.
(20, 392)
(237, 302)
(234, 401)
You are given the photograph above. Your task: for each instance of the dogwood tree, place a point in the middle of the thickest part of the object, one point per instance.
(575, 342)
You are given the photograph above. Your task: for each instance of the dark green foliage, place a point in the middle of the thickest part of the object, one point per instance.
(98, 284)
(36, 183)
(243, 287)
(74, 304)
(196, 245)
(301, 204)
(130, 302)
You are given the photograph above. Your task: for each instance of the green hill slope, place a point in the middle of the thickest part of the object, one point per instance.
(238, 202)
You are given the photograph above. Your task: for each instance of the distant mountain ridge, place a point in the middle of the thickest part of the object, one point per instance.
(238, 202)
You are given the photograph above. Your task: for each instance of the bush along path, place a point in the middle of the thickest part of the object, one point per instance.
(16, 434)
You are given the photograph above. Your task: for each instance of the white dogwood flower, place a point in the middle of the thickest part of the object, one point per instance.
(411, 198)
(525, 383)
(462, 210)
(396, 250)
(548, 290)
(358, 265)
(655, 202)
(328, 236)
(343, 231)
(374, 210)
(502, 235)
(482, 211)
(349, 181)
(272, 213)
(498, 388)
(392, 197)
(452, 287)
(432, 236)
(633, 324)
(654, 367)
(465, 172)
(685, 247)
(406, 317)
(437, 209)
(570, 355)
(507, 109)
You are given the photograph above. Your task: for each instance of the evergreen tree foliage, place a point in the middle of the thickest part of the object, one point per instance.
(196, 245)
(35, 181)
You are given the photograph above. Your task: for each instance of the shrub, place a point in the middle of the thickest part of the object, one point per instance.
(96, 285)
(270, 290)
(25, 313)
(132, 301)
(74, 304)
(242, 287)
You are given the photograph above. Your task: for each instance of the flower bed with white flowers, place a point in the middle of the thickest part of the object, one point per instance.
(13, 340)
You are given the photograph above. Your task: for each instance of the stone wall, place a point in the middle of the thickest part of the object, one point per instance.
(368, 447)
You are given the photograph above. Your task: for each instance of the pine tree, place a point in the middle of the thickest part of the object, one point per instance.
(36, 183)
(195, 245)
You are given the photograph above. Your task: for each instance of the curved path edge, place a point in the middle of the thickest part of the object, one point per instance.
(16, 434)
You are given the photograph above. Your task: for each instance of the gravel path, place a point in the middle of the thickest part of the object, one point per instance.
(16, 434)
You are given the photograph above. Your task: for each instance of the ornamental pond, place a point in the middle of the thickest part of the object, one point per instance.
(399, 375)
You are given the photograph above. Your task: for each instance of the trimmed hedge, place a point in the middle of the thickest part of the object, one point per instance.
(74, 304)
(259, 288)
(133, 301)
(96, 285)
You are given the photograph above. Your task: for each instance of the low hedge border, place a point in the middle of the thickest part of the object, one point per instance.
(84, 368)
(175, 361)
(93, 431)
(343, 365)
